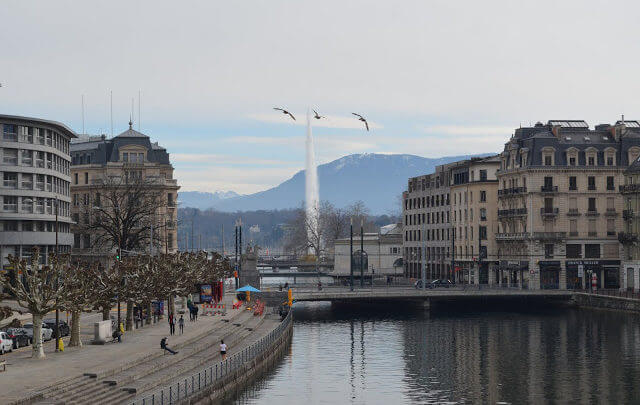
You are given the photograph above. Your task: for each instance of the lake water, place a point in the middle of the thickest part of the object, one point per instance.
(402, 356)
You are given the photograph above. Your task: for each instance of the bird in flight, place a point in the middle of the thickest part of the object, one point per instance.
(361, 118)
(317, 116)
(285, 112)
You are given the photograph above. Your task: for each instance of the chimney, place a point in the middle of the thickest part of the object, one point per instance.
(556, 131)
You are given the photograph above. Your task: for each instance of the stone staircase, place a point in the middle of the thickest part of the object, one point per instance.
(144, 374)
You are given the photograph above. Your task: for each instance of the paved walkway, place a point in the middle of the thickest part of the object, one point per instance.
(25, 376)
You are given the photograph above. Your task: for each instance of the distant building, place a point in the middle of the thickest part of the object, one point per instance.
(382, 253)
(35, 169)
(630, 235)
(474, 194)
(128, 155)
(426, 214)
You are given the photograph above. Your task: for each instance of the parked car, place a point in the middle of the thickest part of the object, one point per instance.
(64, 327)
(46, 332)
(435, 284)
(19, 337)
(6, 344)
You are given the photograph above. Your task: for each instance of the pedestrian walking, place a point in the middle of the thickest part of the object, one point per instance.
(172, 325)
(223, 350)
(195, 313)
(164, 345)
(181, 324)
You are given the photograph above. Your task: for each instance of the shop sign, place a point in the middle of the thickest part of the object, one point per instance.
(580, 270)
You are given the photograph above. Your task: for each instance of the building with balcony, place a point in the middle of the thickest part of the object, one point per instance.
(427, 225)
(629, 235)
(474, 194)
(35, 168)
(97, 160)
(559, 208)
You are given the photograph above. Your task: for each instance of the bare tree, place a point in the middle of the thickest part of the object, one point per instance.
(79, 293)
(36, 287)
(123, 215)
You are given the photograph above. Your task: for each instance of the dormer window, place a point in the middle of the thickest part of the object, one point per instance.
(592, 161)
(572, 156)
(633, 154)
(548, 156)
(548, 160)
(610, 157)
(591, 155)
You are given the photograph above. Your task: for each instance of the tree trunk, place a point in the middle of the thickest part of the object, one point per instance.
(37, 351)
(184, 302)
(75, 329)
(129, 325)
(149, 314)
(105, 313)
(172, 306)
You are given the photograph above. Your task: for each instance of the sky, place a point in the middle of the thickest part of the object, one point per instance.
(434, 78)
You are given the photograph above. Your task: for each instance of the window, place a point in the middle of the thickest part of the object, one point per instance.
(547, 160)
(591, 161)
(573, 184)
(574, 251)
(573, 204)
(548, 250)
(610, 185)
(592, 204)
(572, 161)
(25, 158)
(592, 251)
(10, 203)
(86, 178)
(483, 232)
(548, 183)
(75, 178)
(10, 157)
(611, 227)
(483, 196)
(483, 175)
(483, 214)
(609, 160)
(573, 228)
(592, 228)
(10, 180)
(591, 183)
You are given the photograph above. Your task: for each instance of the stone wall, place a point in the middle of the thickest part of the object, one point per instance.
(606, 302)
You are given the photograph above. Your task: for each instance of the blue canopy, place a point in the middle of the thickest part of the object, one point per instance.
(248, 288)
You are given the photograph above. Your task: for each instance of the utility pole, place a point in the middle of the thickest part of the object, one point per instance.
(236, 261)
(453, 253)
(351, 253)
(424, 257)
(222, 237)
(192, 244)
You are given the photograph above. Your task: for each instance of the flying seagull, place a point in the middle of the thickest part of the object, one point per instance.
(317, 116)
(361, 118)
(285, 112)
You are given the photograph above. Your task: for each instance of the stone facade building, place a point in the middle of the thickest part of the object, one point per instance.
(630, 234)
(130, 155)
(35, 167)
(382, 253)
(474, 192)
(427, 225)
(559, 206)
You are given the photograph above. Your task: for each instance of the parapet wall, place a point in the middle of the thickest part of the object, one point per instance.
(606, 302)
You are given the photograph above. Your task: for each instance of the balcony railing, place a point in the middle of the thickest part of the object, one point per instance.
(549, 212)
(573, 212)
(573, 233)
(549, 189)
(592, 233)
(627, 214)
(10, 183)
(512, 236)
(10, 136)
(512, 191)
(27, 185)
(515, 212)
(549, 235)
(611, 212)
(592, 213)
(629, 188)
(627, 238)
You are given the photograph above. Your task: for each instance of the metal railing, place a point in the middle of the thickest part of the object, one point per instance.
(214, 373)
(611, 293)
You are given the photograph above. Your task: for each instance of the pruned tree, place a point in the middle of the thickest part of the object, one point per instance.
(36, 287)
(78, 294)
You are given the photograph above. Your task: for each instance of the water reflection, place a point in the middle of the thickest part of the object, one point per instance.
(552, 355)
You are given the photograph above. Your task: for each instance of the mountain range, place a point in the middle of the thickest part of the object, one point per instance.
(376, 179)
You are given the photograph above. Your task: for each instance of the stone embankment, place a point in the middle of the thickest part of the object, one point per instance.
(587, 300)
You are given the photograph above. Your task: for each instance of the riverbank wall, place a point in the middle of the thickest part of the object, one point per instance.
(246, 372)
(586, 300)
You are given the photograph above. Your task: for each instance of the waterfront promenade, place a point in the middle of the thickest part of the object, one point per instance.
(117, 372)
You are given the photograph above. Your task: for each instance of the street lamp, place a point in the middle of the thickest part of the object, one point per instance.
(351, 253)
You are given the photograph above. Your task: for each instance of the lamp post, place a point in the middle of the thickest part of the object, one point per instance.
(351, 253)
(361, 253)
(57, 283)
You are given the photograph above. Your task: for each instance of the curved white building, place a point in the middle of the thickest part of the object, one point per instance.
(35, 171)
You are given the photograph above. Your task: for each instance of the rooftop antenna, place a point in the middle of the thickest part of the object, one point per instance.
(111, 101)
(83, 133)
(131, 116)
(138, 110)
(623, 118)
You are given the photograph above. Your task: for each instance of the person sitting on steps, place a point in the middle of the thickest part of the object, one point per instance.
(163, 346)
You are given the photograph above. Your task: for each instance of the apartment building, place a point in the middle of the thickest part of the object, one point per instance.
(129, 155)
(474, 191)
(630, 234)
(559, 206)
(427, 225)
(34, 167)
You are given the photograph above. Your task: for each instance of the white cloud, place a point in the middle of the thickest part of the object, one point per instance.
(241, 180)
(213, 159)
